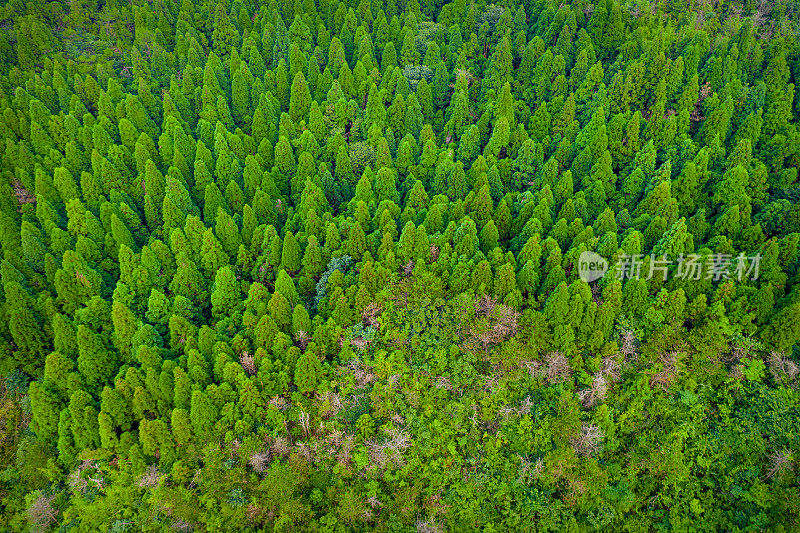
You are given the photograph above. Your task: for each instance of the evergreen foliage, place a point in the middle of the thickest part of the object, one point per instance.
(316, 266)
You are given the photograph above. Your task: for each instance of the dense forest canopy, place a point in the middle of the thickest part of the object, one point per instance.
(320, 265)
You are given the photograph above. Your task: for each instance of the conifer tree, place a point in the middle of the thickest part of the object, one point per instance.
(188, 281)
(282, 85)
(291, 256)
(307, 372)
(229, 234)
(300, 99)
(489, 237)
(466, 238)
(213, 256)
(202, 414)
(45, 407)
(240, 91)
(312, 258)
(356, 242)
(76, 281)
(125, 325)
(96, 363)
(284, 285)
(30, 339)
(225, 295)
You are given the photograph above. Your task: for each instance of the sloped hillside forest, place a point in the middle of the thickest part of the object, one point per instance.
(319, 265)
